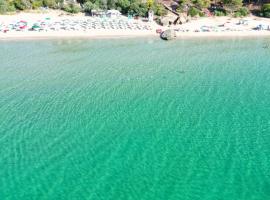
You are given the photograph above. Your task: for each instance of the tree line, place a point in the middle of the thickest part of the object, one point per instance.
(135, 7)
(139, 7)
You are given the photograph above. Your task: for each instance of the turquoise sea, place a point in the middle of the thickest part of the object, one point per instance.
(135, 119)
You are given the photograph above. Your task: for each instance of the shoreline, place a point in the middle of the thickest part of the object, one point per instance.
(74, 35)
(126, 35)
(225, 34)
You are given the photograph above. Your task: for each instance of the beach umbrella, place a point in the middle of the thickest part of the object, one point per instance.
(5, 29)
(23, 27)
(22, 23)
(35, 26)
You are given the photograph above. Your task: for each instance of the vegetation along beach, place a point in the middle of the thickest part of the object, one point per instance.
(134, 100)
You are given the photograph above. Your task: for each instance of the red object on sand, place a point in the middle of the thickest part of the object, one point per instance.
(159, 31)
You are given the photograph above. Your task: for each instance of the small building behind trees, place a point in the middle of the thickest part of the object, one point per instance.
(113, 13)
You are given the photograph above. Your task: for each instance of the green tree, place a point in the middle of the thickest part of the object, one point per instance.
(159, 9)
(89, 6)
(202, 3)
(150, 3)
(49, 3)
(72, 8)
(3, 6)
(22, 4)
(123, 5)
(111, 4)
(266, 10)
(232, 5)
(184, 2)
(102, 4)
(37, 4)
(138, 8)
(193, 12)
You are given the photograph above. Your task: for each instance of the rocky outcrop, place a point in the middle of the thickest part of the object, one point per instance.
(168, 34)
(182, 19)
(172, 19)
(168, 20)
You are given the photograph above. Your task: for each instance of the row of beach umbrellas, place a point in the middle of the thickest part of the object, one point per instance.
(74, 24)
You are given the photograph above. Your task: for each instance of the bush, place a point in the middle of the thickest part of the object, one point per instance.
(232, 6)
(103, 4)
(3, 6)
(22, 4)
(110, 4)
(237, 14)
(159, 9)
(202, 3)
(123, 5)
(193, 12)
(219, 13)
(49, 3)
(235, 3)
(37, 4)
(184, 2)
(242, 12)
(266, 10)
(201, 14)
(89, 6)
(11, 7)
(6, 6)
(138, 8)
(72, 8)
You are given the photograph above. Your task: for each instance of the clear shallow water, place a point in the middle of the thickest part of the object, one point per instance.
(135, 119)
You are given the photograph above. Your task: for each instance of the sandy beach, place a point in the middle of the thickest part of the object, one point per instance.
(215, 27)
(57, 16)
(75, 34)
(225, 27)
